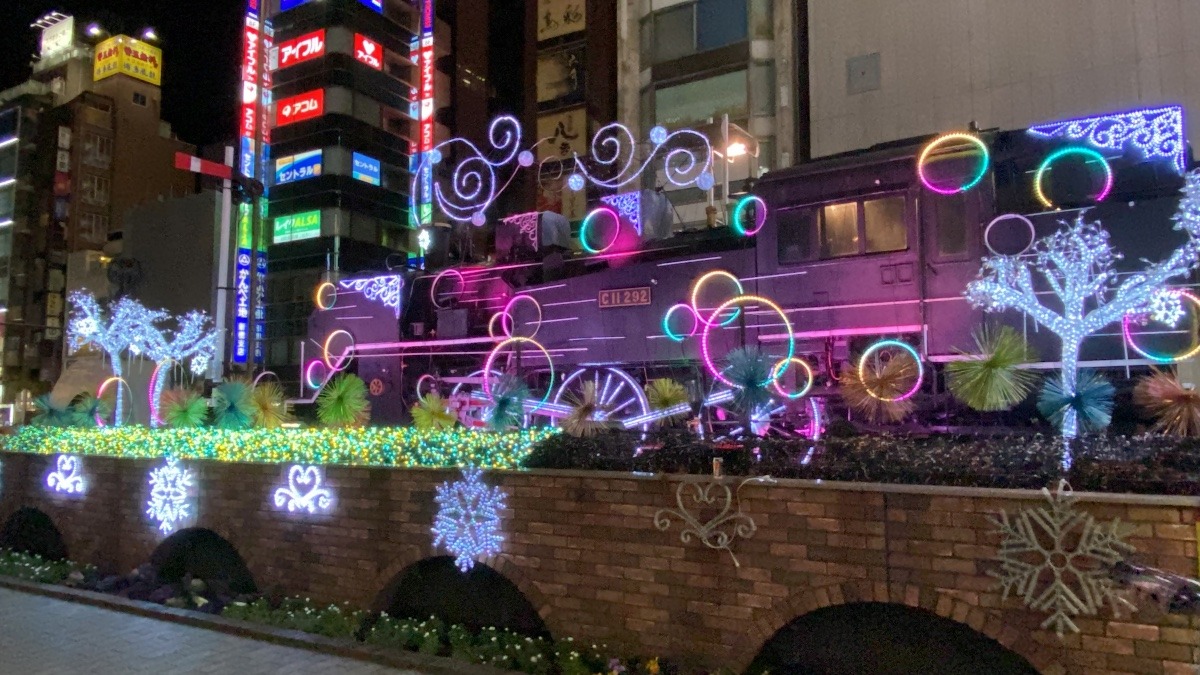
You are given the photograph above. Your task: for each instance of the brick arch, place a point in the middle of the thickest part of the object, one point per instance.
(947, 604)
(502, 563)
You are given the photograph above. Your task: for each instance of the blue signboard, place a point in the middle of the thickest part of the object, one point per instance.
(241, 306)
(376, 5)
(297, 167)
(365, 169)
(285, 5)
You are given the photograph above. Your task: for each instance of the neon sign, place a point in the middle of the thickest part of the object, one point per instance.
(298, 167)
(368, 51)
(301, 107)
(425, 115)
(297, 50)
(252, 130)
(365, 168)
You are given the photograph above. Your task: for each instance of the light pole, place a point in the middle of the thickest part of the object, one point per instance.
(734, 145)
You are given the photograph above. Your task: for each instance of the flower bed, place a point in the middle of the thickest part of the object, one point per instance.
(371, 446)
(1142, 464)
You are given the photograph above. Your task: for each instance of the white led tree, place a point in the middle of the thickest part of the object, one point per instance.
(1076, 264)
(128, 326)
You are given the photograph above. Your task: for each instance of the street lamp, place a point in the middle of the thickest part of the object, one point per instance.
(149, 34)
(94, 30)
(736, 142)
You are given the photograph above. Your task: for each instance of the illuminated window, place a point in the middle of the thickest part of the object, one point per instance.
(97, 150)
(883, 221)
(839, 230)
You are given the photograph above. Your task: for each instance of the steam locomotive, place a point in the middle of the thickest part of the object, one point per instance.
(821, 262)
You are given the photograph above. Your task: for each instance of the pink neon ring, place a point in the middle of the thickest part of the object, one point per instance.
(507, 316)
(308, 374)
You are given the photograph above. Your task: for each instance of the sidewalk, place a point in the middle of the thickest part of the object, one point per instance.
(55, 637)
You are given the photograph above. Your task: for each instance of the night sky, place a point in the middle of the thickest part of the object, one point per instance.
(199, 39)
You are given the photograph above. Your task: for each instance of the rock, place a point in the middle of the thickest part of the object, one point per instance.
(163, 594)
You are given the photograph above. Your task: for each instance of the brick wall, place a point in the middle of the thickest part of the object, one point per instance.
(584, 549)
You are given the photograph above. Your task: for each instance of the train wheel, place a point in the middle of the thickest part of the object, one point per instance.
(779, 418)
(619, 397)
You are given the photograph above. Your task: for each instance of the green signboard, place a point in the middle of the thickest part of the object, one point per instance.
(296, 227)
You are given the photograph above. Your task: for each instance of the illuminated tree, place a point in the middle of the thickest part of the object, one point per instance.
(1076, 264)
(126, 326)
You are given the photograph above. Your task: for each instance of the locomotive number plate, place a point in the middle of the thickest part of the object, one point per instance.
(624, 297)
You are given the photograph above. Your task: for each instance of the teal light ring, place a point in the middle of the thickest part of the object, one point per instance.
(862, 366)
(760, 215)
(1059, 154)
(666, 322)
(588, 219)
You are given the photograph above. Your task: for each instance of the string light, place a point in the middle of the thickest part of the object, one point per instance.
(666, 322)
(628, 205)
(1053, 157)
(782, 366)
(67, 476)
(614, 149)
(760, 215)
(304, 491)
(491, 359)
(589, 219)
(433, 287)
(1165, 307)
(1078, 265)
(1193, 350)
(1155, 132)
(474, 185)
(945, 139)
(399, 447)
(699, 284)
(325, 288)
(170, 495)
(740, 300)
(384, 289)
(344, 357)
(897, 344)
(468, 519)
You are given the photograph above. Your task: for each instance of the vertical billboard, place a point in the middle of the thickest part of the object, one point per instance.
(425, 64)
(253, 137)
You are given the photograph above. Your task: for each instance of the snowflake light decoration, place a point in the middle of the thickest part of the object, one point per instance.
(468, 518)
(86, 327)
(1166, 307)
(199, 365)
(1057, 559)
(170, 488)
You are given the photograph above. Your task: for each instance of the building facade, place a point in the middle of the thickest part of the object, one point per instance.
(81, 143)
(999, 64)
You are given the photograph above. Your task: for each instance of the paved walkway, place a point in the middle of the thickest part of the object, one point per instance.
(43, 635)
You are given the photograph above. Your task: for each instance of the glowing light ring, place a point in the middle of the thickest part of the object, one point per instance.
(492, 326)
(103, 388)
(666, 322)
(312, 382)
(589, 219)
(760, 215)
(1059, 154)
(421, 380)
(706, 354)
(506, 315)
(1009, 216)
(491, 359)
(781, 367)
(260, 376)
(433, 287)
(862, 368)
(1183, 356)
(699, 283)
(343, 358)
(155, 392)
(950, 138)
(319, 296)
